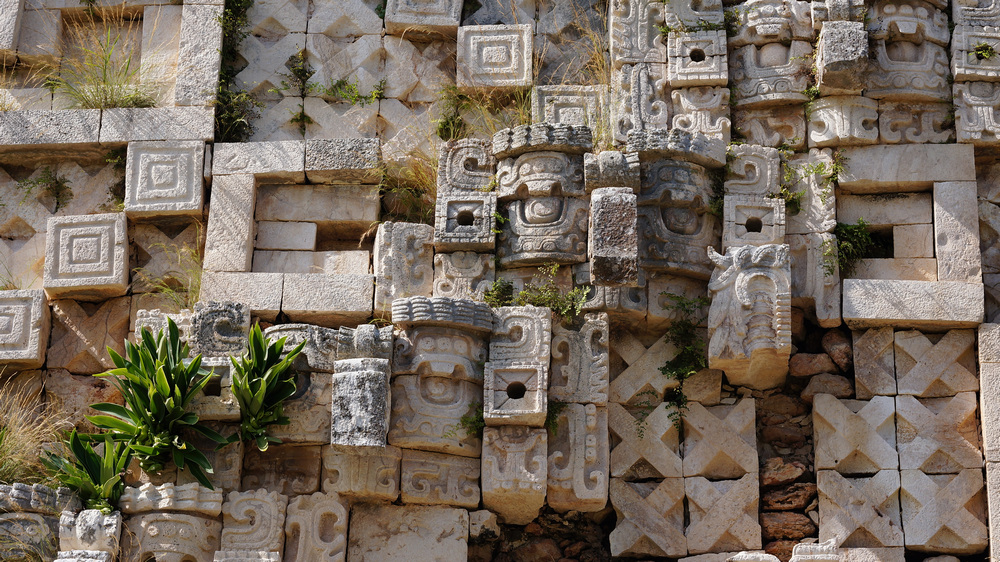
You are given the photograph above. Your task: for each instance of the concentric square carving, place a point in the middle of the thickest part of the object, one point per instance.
(24, 328)
(164, 178)
(86, 257)
(494, 56)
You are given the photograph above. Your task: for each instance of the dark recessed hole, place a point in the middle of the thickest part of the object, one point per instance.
(754, 224)
(465, 218)
(516, 390)
(697, 55)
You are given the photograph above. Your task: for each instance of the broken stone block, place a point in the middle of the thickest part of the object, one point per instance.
(734, 331)
(421, 19)
(843, 120)
(426, 411)
(904, 168)
(650, 518)
(578, 465)
(569, 104)
(229, 236)
(723, 514)
(931, 305)
(874, 363)
(362, 473)
(164, 178)
(611, 168)
(855, 436)
(320, 351)
(360, 403)
(772, 126)
(86, 257)
(404, 262)
(625, 303)
(944, 512)
(613, 239)
(514, 472)
(82, 333)
(316, 528)
(495, 12)
(342, 211)
(37, 498)
(219, 329)
(192, 498)
(75, 393)
(697, 59)
(260, 292)
(494, 56)
(579, 367)
(841, 57)
(329, 300)
(439, 479)
(25, 329)
(287, 469)
(84, 556)
(754, 170)
(463, 275)
(771, 74)
(644, 446)
(515, 392)
(254, 520)
(170, 536)
(309, 410)
(392, 532)
(465, 222)
(908, 122)
(860, 512)
(752, 220)
(916, 78)
(938, 435)
(90, 530)
(720, 442)
(932, 365)
(956, 232)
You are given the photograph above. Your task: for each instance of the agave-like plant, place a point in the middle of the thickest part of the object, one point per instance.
(96, 477)
(157, 385)
(262, 381)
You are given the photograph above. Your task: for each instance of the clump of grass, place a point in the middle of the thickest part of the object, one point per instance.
(853, 242)
(542, 291)
(481, 114)
(984, 51)
(350, 92)
(26, 425)
(182, 283)
(51, 184)
(409, 189)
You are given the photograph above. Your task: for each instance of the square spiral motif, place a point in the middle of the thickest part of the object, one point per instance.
(494, 56)
(85, 257)
(164, 178)
(24, 328)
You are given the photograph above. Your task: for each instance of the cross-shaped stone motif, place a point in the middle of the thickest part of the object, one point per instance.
(723, 514)
(646, 448)
(650, 518)
(642, 377)
(855, 436)
(82, 332)
(944, 512)
(721, 441)
(938, 435)
(874, 363)
(860, 512)
(942, 366)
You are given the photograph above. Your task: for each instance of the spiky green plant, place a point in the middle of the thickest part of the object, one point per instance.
(95, 475)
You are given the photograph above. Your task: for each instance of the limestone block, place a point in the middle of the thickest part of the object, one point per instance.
(360, 403)
(345, 210)
(989, 343)
(644, 446)
(277, 235)
(465, 222)
(837, 10)
(156, 124)
(572, 105)
(260, 292)
(540, 174)
(619, 302)
(945, 512)
(723, 514)
(732, 347)
(331, 262)
(441, 311)
(703, 110)
(661, 312)
(752, 220)
(164, 178)
(578, 463)
(413, 18)
(316, 528)
(841, 57)
(912, 304)
(772, 126)
(391, 532)
(938, 435)
(286, 469)
(442, 352)
(613, 239)
(650, 518)
(29, 536)
(817, 207)
(515, 393)
(543, 230)
(754, 170)
(907, 122)
(170, 536)
(753, 27)
(494, 56)
(84, 556)
(330, 119)
(10, 26)
(843, 120)
(416, 72)
(860, 512)
(254, 520)
(924, 79)
(309, 410)
(720, 441)
(75, 393)
(37, 498)
(407, 131)
(273, 125)
(854, 436)
(365, 474)
(86, 257)
(82, 333)
(697, 59)
(200, 51)
(639, 97)
(521, 333)
(514, 472)
(329, 300)
(463, 275)
(279, 160)
(465, 165)
(90, 530)
(874, 363)
(426, 411)
(579, 365)
(956, 231)
(365, 341)
(266, 56)
(189, 498)
(771, 74)
(26, 328)
(932, 365)
(352, 58)
(677, 143)
(229, 236)
(439, 479)
(611, 168)
(634, 37)
(966, 63)
(911, 208)
(495, 12)
(913, 241)
(219, 329)
(403, 262)
(642, 377)
(40, 127)
(903, 269)
(976, 118)
(910, 167)
(988, 406)
(350, 18)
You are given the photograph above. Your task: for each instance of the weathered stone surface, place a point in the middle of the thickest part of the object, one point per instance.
(650, 518)
(539, 137)
(639, 100)
(772, 74)
(193, 498)
(515, 392)
(697, 58)
(442, 311)
(37, 498)
(227, 462)
(463, 275)
(908, 122)
(362, 473)
(578, 465)
(809, 364)
(494, 56)
(611, 168)
(386, 532)
(90, 530)
(316, 528)
(254, 520)
(406, 17)
(794, 496)
(909, 167)
(426, 411)
(360, 403)
(776, 471)
(229, 237)
(343, 210)
(826, 383)
(956, 232)
(156, 124)
(945, 512)
(860, 512)
(815, 278)
(932, 365)
(543, 230)
(723, 514)
(329, 300)
(164, 178)
(219, 329)
(84, 556)
(642, 374)
(579, 368)
(260, 292)
(283, 160)
(874, 363)
(82, 333)
(843, 120)
(938, 435)
(286, 469)
(784, 525)
(752, 220)
(86, 257)
(841, 56)
(572, 105)
(514, 472)
(439, 479)
(613, 249)
(976, 118)
(39, 127)
(720, 442)
(170, 536)
(854, 436)
(26, 336)
(444, 352)
(404, 262)
(644, 446)
(465, 222)
(75, 393)
(936, 305)
(837, 345)
(320, 351)
(754, 28)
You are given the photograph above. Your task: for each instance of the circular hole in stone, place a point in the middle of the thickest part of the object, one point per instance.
(697, 55)
(465, 218)
(754, 224)
(516, 390)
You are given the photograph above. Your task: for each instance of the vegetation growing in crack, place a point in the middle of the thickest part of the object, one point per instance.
(26, 425)
(95, 475)
(471, 423)
(542, 291)
(50, 184)
(687, 339)
(984, 51)
(853, 242)
(181, 284)
(552, 412)
(235, 109)
(702, 25)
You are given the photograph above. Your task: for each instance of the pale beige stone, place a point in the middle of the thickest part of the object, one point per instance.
(855, 436)
(350, 209)
(578, 465)
(938, 435)
(261, 292)
(164, 178)
(391, 532)
(945, 512)
(989, 404)
(327, 300)
(333, 262)
(721, 441)
(906, 167)
(903, 208)
(254, 520)
(86, 257)
(426, 411)
(704, 387)
(644, 445)
(514, 472)
(189, 498)
(661, 309)
(579, 368)
(337, 119)
(494, 56)
(90, 530)
(287, 469)
(74, 394)
(956, 232)
(439, 479)
(903, 269)
(403, 262)
(82, 333)
(650, 518)
(874, 363)
(931, 365)
(316, 528)
(229, 237)
(860, 512)
(28, 330)
(170, 536)
(362, 473)
(165, 254)
(873, 554)
(913, 241)
(642, 375)
(280, 160)
(280, 235)
(723, 514)
(912, 304)
(993, 502)
(463, 275)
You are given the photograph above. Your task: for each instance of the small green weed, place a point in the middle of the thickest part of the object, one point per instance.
(49, 183)
(853, 242)
(691, 355)
(702, 25)
(350, 92)
(471, 423)
(552, 416)
(984, 51)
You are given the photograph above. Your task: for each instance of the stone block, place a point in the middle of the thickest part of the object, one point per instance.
(977, 121)
(167, 536)
(75, 393)
(771, 75)
(543, 230)
(855, 437)
(938, 435)
(32, 536)
(723, 514)
(634, 82)
(413, 18)
(408, 132)
(720, 442)
(578, 463)
(440, 352)
(514, 472)
(189, 498)
(164, 178)
(933, 365)
(439, 479)
(515, 393)
(841, 57)
(772, 126)
(540, 174)
(752, 220)
(84, 556)
(229, 236)
(86, 257)
(260, 292)
(860, 512)
(254, 520)
(909, 167)
(426, 412)
(633, 37)
(309, 410)
(403, 261)
(10, 26)
(697, 59)
(465, 222)
(521, 333)
(463, 275)
(278, 235)
(279, 160)
(661, 307)
(944, 513)
(287, 469)
(219, 329)
(316, 528)
(644, 445)
(494, 56)
(360, 403)
(389, 532)
(989, 374)
(754, 170)
(90, 530)
(444, 312)
(874, 363)
(327, 300)
(898, 269)
(966, 63)
(157, 124)
(465, 166)
(611, 168)
(956, 232)
(579, 366)
(642, 377)
(913, 241)
(908, 122)
(342, 160)
(416, 71)
(344, 19)
(200, 48)
(912, 304)
(613, 249)
(907, 81)
(843, 120)
(363, 474)
(650, 518)
(40, 127)
(572, 105)
(24, 328)
(82, 333)
(880, 210)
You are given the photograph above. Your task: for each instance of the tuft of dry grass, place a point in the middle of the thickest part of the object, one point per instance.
(26, 425)
(409, 189)
(182, 283)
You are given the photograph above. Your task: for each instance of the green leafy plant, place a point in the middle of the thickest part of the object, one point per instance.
(984, 51)
(853, 242)
(95, 475)
(501, 220)
(350, 92)
(450, 125)
(643, 408)
(677, 402)
(811, 93)
(683, 334)
(262, 381)
(702, 25)
(235, 109)
(471, 423)
(500, 293)
(552, 416)
(542, 290)
(157, 385)
(51, 184)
